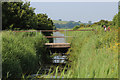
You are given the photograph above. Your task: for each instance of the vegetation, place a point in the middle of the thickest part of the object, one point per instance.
(70, 24)
(94, 54)
(60, 22)
(76, 27)
(114, 23)
(22, 53)
(20, 16)
(66, 24)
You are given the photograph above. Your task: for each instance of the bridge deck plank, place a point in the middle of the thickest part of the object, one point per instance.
(57, 45)
(57, 36)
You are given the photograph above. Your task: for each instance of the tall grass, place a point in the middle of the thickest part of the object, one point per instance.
(22, 53)
(93, 54)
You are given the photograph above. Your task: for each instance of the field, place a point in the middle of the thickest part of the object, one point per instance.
(60, 22)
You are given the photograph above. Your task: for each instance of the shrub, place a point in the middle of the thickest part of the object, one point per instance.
(88, 25)
(76, 27)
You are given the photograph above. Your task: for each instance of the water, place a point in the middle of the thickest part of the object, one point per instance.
(58, 58)
(58, 40)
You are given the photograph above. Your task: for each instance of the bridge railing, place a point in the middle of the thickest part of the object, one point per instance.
(65, 36)
(57, 30)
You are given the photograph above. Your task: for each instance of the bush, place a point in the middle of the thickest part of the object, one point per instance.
(76, 27)
(88, 25)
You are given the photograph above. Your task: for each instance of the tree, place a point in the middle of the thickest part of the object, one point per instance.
(10, 11)
(82, 25)
(28, 19)
(60, 19)
(19, 15)
(79, 21)
(89, 22)
(76, 27)
(118, 19)
(43, 22)
(88, 25)
(119, 5)
(115, 20)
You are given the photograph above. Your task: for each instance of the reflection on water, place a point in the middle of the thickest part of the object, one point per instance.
(58, 40)
(59, 59)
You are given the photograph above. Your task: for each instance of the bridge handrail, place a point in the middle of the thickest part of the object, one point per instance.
(57, 30)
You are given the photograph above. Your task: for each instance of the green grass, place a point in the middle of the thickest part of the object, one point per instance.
(93, 54)
(22, 53)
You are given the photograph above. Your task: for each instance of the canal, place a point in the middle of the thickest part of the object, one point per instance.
(57, 59)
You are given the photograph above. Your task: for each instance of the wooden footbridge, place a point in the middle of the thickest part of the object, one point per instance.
(60, 48)
(60, 45)
(57, 45)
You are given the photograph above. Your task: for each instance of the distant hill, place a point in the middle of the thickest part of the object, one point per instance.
(66, 24)
(60, 22)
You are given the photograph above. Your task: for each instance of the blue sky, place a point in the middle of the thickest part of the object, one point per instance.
(77, 11)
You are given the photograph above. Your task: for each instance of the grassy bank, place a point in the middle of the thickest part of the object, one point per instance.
(22, 53)
(93, 54)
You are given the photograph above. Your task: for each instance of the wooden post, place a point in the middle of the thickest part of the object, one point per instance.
(65, 36)
(54, 38)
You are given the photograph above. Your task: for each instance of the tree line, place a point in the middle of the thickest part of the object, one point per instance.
(71, 24)
(20, 16)
(114, 23)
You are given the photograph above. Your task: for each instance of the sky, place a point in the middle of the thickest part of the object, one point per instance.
(77, 11)
(73, 0)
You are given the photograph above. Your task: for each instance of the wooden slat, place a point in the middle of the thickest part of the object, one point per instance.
(49, 44)
(24, 31)
(60, 59)
(54, 36)
(58, 47)
(66, 30)
(57, 36)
